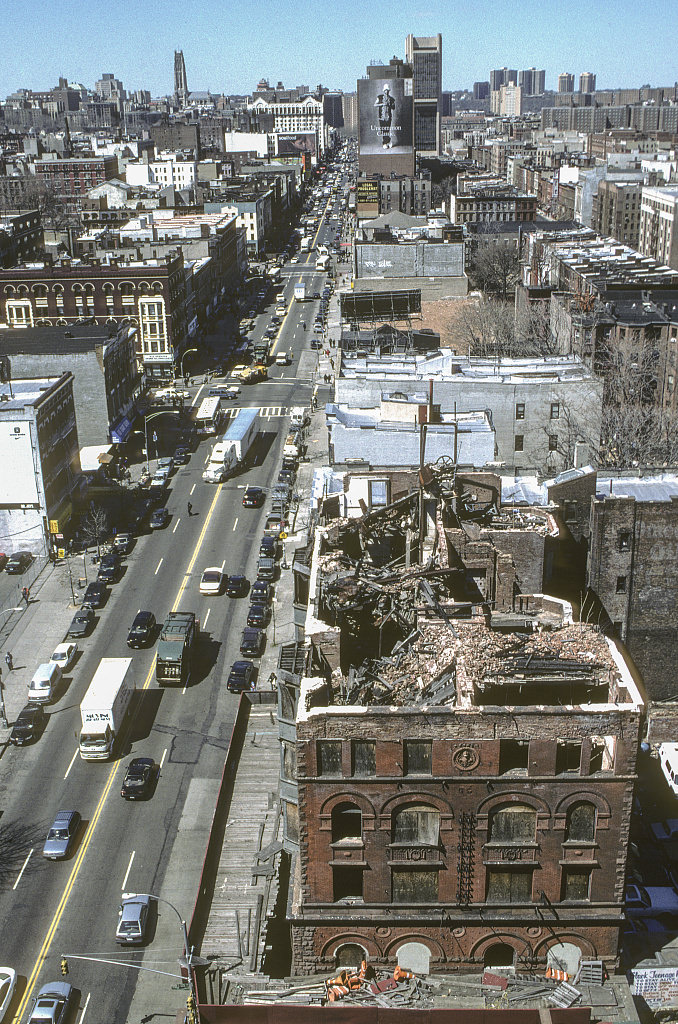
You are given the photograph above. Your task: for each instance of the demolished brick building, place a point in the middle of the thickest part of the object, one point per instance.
(464, 755)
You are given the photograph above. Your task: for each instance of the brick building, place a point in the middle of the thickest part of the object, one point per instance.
(616, 210)
(71, 178)
(492, 204)
(147, 294)
(20, 236)
(464, 777)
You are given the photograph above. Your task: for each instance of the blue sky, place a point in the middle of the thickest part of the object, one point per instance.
(228, 47)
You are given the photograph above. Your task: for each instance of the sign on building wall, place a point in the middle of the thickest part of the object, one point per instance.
(367, 192)
(385, 115)
(293, 145)
(657, 985)
(18, 485)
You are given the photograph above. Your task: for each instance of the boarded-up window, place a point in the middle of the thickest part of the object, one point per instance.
(347, 822)
(289, 759)
(581, 823)
(513, 824)
(417, 824)
(292, 821)
(329, 757)
(287, 702)
(576, 884)
(417, 757)
(513, 886)
(415, 886)
(364, 757)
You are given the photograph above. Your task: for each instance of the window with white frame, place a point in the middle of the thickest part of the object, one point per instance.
(19, 312)
(152, 324)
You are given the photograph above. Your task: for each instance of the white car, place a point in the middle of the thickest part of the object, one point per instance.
(63, 656)
(212, 580)
(238, 371)
(294, 259)
(282, 358)
(7, 985)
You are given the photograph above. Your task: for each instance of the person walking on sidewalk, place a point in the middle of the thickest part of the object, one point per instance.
(9, 660)
(25, 594)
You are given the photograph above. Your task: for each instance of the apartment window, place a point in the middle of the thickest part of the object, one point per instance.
(576, 884)
(415, 887)
(555, 410)
(624, 540)
(570, 511)
(580, 826)
(621, 584)
(347, 883)
(518, 443)
(363, 757)
(417, 757)
(520, 410)
(513, 886)
(347, 822)
(568, 756)
(19, 313)
(553, 442)
(513, 756)
(417, 825)
(329, 757)
(378, 492)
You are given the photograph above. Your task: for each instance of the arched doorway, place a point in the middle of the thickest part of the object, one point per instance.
(499, 955)
(350, 955)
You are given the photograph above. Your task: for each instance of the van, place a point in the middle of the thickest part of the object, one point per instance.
(42, 686)
(282, 359)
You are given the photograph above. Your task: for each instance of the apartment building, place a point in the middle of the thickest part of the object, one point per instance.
(659, 225)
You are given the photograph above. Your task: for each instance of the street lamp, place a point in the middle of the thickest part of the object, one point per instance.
(188, 956)
(147, 417)
(181, 363)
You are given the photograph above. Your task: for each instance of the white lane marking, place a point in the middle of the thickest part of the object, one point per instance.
(204, 621)
(176, 524)
(207, 459)
(71, 764)
(162, 759)
(84, 1009)
(192, 489)
(235, 523)
(223, 564)
(23, 867)
(158, 567)
(183, 692)
(129, 868)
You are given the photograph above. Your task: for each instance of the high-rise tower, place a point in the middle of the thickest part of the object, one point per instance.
(425, 56)
(180, 84)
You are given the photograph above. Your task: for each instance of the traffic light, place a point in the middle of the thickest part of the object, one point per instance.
(64, 966)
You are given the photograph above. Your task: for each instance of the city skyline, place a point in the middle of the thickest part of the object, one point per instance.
(226, 51)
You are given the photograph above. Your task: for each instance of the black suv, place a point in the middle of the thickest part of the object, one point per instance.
(252, 642)
(142, 630)
(241, 677)
(109, 568)
(268, 547)
(95, 595)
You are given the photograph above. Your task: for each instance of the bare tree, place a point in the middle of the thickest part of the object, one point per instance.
(95, 526)
(494, 267)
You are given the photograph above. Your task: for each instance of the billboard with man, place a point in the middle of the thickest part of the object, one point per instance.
(385, 107)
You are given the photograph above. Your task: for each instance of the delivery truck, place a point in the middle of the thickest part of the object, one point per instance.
(104, 708)
(300, 291)
(232, 450)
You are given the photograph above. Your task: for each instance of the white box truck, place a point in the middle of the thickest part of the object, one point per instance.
(231, 451)
(104, 708)
(306, 244)
(300, 292)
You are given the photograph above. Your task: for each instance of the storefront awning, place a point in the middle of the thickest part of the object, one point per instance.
(92, 456)
(120, 431)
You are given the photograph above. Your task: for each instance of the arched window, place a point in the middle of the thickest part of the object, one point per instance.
(580, 826)
(347, 822)
(500, 954)
(417, 824)
(349, 955)
(515, 823)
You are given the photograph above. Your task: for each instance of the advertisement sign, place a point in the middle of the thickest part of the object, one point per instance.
(385, 115)
(294, 145)
(17, 480)
(367, 192)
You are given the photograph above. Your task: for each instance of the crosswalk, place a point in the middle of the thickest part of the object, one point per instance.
(267, 412)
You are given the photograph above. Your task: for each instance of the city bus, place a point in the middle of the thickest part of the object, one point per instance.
(209, 416)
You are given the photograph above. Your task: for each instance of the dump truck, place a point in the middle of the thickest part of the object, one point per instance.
(104, 708)
(176, 648)
(232, 450)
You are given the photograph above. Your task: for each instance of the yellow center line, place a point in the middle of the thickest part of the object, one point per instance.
(45, 948)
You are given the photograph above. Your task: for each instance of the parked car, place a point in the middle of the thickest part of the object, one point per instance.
(316, 343)
(18, 562)
(159, 480)
(82, 622)
(268, 546)
(109, 568)
(166, 463)
(236, 586)
(96, 594)
(139, 778)
(258, 615)
(286, 476)
(7, 986)
(159, 518)
(252, 642)
(122, 542)
(665, 831)
(64, 655)
(181, 455)
(241, 677)
(262, 592)
(62, 835)
(133, 915)
(253, 497)
(53, 1003)
(28, 726)
(648, 901)
(274, 526)
(142, 630)
(211, 581)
